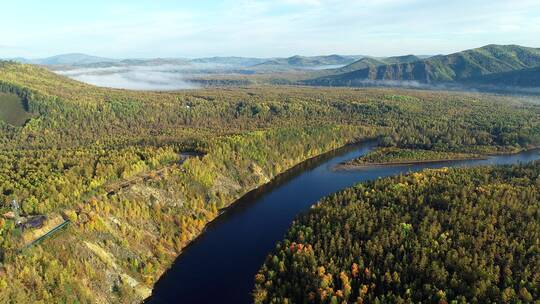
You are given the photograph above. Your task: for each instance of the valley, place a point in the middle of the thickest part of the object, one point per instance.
(270, 152)
(507, 69)
(81, 139)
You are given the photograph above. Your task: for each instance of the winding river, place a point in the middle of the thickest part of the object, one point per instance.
(220, 265)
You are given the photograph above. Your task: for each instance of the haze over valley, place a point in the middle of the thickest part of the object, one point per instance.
(494, 68)
(175, 74)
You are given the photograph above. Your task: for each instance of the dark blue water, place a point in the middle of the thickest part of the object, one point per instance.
(220, 265)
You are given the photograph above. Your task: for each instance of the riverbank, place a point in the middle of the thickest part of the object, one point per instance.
(350, 166)
(355, 165)
(394, 156)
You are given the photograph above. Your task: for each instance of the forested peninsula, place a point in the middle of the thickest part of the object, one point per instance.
(437, 236)
(396, 156)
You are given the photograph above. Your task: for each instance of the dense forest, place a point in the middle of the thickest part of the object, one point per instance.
(77, 142)
(438, 236)
(392, 155)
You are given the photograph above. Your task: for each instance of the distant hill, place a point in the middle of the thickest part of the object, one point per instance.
(139, 62)
(88, 61)
(233, 61)
(364, 63)
(460, 67)
(77, 60)
(154, 61)
(372, 62)
(70, 59)
(304, 62)
(83, 60)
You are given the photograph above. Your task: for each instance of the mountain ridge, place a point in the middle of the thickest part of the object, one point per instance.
(80, 59)
(298, 61)
(367, 62)
(457, 67)
(67, 59)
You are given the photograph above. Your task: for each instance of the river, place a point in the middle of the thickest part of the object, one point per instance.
(219, 266)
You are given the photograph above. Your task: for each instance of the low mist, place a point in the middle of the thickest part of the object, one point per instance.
(533, 93)
(158, 78)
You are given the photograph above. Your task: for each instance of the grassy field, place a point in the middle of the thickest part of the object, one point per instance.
(12, 110)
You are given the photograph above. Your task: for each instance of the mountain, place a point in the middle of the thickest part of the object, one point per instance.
(371, 62)
(155, 61)
(367, 62)
(70, 59)
(526, 78)
(303, 62)
(94, 61)
(233, 61)
(458, 67)
(296, 62)
(87, 61)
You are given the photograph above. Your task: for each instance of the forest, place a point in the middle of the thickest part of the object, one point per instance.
(78, 141)
(392, 155)
(437, 236)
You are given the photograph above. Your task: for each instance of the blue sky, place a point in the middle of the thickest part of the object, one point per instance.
(263, 28)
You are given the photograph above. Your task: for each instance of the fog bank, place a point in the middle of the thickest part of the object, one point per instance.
(158, 78)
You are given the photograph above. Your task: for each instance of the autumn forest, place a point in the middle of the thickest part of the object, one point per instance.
(138, 175)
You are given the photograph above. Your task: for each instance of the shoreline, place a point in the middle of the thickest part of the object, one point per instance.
(351, 167)
(347, 167)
